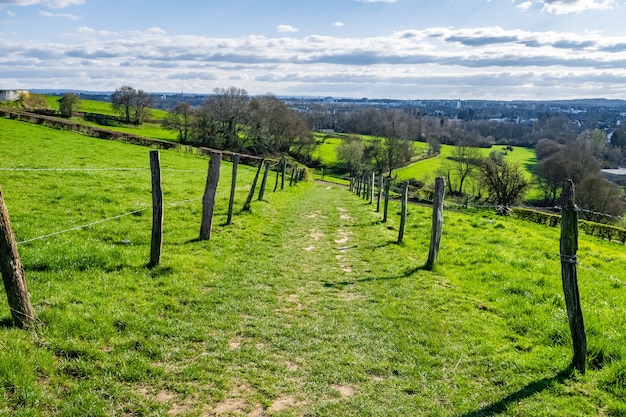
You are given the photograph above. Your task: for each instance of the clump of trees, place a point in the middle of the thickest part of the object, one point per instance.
(579, 159)
(132, 105)
(231, 120)
(391, 147)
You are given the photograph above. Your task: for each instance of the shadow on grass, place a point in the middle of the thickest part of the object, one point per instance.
(6, 322)
(341, 284)
(526, 392)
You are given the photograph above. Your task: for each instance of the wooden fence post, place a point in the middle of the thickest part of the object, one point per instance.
(233, 187)
(208, 199)
(380, 193)
(157, 210)
(293, 173)
(322, 173)
(246, 205)
(282, 173)
(569, 274)
(405, 197)
(264, 181)
(437, 226)
(372, 181)
(386, 207)
(13, 273)
(280, 163)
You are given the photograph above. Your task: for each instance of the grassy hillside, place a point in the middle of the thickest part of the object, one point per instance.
(100, 107)
(305, 306)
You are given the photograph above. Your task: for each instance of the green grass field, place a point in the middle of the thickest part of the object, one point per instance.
(100, 107)
(304, 306)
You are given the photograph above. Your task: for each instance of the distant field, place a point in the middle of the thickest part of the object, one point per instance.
(100, 107)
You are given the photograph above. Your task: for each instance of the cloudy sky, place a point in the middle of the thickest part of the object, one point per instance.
(468, 49)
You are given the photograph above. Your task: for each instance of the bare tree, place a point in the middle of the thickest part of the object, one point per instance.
(180, 120)
(122, 101)
(504, 181)
(141, 103)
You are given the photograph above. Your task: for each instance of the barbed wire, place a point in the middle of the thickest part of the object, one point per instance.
(83, 226)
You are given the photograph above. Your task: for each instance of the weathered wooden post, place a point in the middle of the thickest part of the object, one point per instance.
(208, 199)
(264, 181)
(386, 208)
(233, 188)
(278, 173)
(322, 173)
(405, 197)
(282, 173)
(157, 210)
(372, 181)
(13, 273)
(569, 274)
(437, 227)
(246, 205)
(293, 173)
(380, 192)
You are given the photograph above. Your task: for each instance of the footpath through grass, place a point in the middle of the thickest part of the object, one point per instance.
(304, 306)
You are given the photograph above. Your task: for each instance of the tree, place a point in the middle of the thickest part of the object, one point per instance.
(351, 154)
(131, 104)
(122, 101)
(461, 163)
(180, 120)
(504, 182)
(68, 104)
(599, 198)
(141, 103)
(222, 121)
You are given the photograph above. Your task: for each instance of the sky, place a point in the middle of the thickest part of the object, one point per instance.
(399, 49)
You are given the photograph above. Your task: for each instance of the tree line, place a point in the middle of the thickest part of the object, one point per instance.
(231, 120)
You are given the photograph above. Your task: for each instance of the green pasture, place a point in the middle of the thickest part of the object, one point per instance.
(100, 107)
(304, 306)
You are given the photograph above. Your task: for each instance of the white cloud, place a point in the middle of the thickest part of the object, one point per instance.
(525, 6)
(560, 7)
(53, 4)
(62, 15)
(338, 24)
(434, 62)
(11, 13)
(286, 29)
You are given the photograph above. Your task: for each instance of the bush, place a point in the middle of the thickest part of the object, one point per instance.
(603, 231)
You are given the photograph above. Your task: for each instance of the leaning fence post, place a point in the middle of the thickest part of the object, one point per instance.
(157, 209)
(293, 173)
(233, 187)
(264, 181)
(437, 227)
(386, 208)
(246, 206)
(208, 199)
(405, 197)
(13, 272)
(569, 274)
(282, 175)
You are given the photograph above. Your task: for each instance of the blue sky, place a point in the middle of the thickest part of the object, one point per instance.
(411, 49)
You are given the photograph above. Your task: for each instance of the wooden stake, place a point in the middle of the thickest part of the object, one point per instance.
(13, 273)
(437, 226)
(157, 210)
(387, 186)
(372, 181)
(208, 199)
(569, 273)
(282, 177)
(380, 192)
(405, 197)
(233, 187)
(246, 206)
